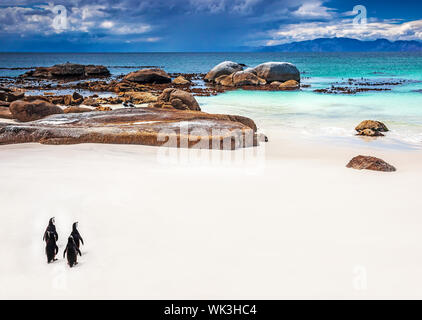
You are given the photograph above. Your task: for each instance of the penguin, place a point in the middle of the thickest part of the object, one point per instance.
(128, 104)
(51, 249)
(76, 235)
(72, 252)
(51, 228)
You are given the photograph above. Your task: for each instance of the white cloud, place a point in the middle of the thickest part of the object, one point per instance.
(391, 30)
(107, 24)
(39, 20)
(313, 10)
(218, 6)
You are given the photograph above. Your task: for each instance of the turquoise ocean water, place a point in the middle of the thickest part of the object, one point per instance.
(305, 113)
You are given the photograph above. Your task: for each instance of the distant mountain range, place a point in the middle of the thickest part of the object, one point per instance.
(345, 45)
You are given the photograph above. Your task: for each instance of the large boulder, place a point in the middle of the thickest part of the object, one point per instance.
(30, 111)
(68, 71)
(149, 76)
(370, 163)
(142, 126)
(96, 71)
(177, 99)
(277, 71)
(223, 69)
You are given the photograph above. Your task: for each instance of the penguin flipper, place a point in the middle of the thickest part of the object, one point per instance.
(64, 253)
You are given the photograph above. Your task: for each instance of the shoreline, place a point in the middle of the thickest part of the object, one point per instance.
(157, 229)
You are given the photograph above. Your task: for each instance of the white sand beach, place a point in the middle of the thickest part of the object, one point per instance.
(286, 220)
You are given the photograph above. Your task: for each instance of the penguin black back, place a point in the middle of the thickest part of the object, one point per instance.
(51, 249)
(72, 252)
(52, 229)
(76, 235)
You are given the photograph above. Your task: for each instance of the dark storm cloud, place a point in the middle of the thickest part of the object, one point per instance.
(188, 24)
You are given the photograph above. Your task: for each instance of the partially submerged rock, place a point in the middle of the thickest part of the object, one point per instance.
(29, 111)
(370, 163)
(370, 133)
(148, 76)
(223, 69)
(375, 126)
(239, 79)
(144, 126)
(177, 99)
(289, 85)
(277, 71)
(180, 80)
(68, 71)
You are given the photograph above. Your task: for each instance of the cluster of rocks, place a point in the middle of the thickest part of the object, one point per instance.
(68, 71)
(68, 119)
(274, 75)
(176, 99)
(7, 96)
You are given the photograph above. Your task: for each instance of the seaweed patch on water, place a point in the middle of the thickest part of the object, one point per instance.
(354, 86)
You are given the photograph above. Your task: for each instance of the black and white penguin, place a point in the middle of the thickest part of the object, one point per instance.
(51, 228)
(72, 252)
(128, 104)
(51, 249)
(76, 235)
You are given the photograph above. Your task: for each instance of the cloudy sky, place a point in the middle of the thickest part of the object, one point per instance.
(197, 25)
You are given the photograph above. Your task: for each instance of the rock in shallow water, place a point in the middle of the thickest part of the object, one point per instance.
(223, 69)
(68, 71)
(289, 85)
(372, 125)
(180, 80)
(239, 79)
(177, 99)
(148, 76)
(370, 163)
(277, 71)
(370, 133)
(143, 126)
